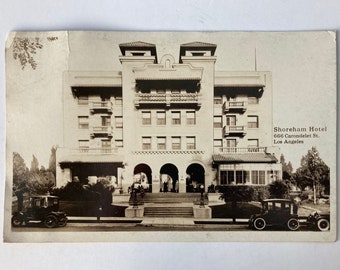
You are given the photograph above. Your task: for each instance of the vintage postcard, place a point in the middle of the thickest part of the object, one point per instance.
(170, 136)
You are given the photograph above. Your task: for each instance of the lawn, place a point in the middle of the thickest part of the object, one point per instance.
(306, 207)
(89, 209)
(244, 210)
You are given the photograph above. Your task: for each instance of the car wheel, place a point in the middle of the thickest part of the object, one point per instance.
(50, 222)
(259, 224)
(293, 224)
(62, 222)
(17, 221)
(323, 224)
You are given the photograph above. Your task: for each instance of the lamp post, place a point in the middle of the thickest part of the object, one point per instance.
(202, 197)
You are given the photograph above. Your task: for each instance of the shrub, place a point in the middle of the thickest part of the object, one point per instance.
(278, 189)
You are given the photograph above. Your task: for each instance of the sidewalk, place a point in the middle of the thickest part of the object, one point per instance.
(154, 221)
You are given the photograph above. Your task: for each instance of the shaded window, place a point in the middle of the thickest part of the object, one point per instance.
(231, 120)
(118, 100)
(191, 143)
(253, 121)
(106, 121)
(146, 118)
(176, 118)
(161, 118)
(161, 143)
(84, 145)
(218, 100)
(83, 122)
(119, 143)
(83, 100)
(217, 121)
(191, 118)
(119, 121)
(176, 143)
(146, 143)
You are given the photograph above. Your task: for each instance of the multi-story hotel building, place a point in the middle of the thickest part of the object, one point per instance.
(161, 120)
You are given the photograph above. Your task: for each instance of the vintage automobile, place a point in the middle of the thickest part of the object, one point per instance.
(43, 209)
(318, 221)
(276, 212)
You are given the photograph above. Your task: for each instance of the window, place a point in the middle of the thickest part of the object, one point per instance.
(253, 121)
(106, 121)
(253, 145)
(191, 118)
(223, 177)
(218, 100)
(106, 146)
(255, 177)
(218, 143)
(84, 145)
(231, 143)
(175, 91)
(176, 143)
(253, 100)
(160, 91)
(146, 118)
(83, 122)
(83, 100)
(146, 143)
(161, 143)
(262, 177)
(231, 120)
(161, 119)
(118, 100)
(176, 118)
(119, 121)
(119, 143)
(217, 121)
(191, 143)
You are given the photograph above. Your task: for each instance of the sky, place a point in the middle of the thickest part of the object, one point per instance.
(302, 66)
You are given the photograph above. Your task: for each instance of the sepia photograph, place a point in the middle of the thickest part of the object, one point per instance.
(185, 136)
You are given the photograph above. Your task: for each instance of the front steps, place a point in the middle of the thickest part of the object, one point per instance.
(168, 211)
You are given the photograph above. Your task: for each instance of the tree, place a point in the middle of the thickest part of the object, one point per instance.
(52, 161)
(34, 165)
(20, 178)
(278, 189)
(236, 194)
(287, 168)
(313, 172)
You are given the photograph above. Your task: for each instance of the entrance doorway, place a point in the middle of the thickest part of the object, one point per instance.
(169, 178)
(195, 177)
(143, 174)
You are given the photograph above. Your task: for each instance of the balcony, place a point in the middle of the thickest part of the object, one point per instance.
(167, 100)
(101, 107)
(250, 149)
(102, 131)
(235, 130)
(235, 106)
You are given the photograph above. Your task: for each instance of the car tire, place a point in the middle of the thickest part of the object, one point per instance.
(17, 221)
(62, 222)
(293, 224)
(323, 224)
(51, 221)
(259, 224)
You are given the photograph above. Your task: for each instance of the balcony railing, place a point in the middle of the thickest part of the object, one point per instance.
(102, 131)
(94, 151)
(101, 106)
(167, 99)
(235, 130)
(233, 106)
(249, 149)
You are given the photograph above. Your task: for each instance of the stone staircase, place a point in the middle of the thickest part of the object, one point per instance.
(171, 211)
(169, 204)
(170, 198)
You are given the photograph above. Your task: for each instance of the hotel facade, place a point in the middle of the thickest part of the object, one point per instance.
(166, 120)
